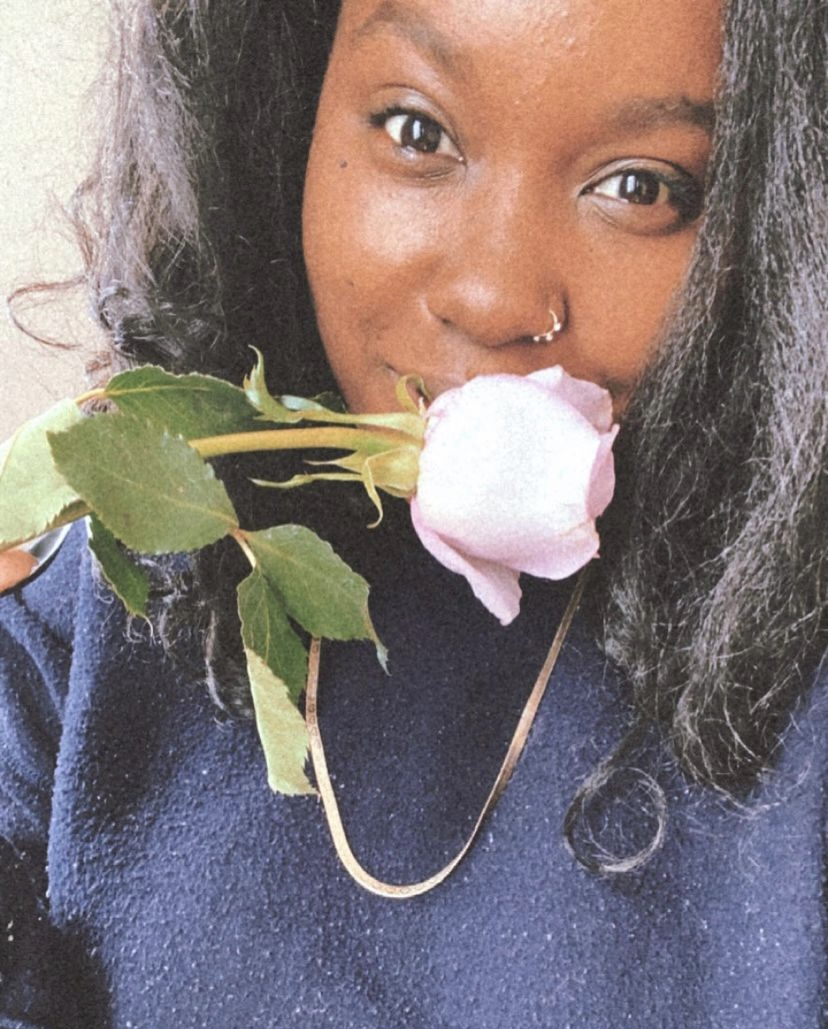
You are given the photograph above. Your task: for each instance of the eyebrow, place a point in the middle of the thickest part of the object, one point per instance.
(654, 112)
(407, 23)
(635, 114)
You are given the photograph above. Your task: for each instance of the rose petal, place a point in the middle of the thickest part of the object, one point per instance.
(505, 468)
(564, 555)
(590, 400)
(550, 378)
(494, 585)
(602, 484)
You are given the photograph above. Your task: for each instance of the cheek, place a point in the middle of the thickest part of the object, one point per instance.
(368, 248)
(365, 243)
(623, 301)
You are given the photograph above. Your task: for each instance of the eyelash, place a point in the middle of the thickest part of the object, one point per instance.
(685, 193)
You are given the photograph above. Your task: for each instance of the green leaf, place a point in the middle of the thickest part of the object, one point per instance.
(282, 729)
(191, 406)
(324, 595)
(255, 388)
(150, 489)
(33, 494)
(267, 632)
(129, 582)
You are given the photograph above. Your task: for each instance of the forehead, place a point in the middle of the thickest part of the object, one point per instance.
(663, 43)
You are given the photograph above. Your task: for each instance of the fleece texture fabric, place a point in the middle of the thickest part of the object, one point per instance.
(150, 879)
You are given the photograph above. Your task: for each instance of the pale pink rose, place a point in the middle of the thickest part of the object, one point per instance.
(514, 471)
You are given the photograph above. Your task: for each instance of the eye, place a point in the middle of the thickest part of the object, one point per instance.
(636, 187)
(415, 132)
(646, 200)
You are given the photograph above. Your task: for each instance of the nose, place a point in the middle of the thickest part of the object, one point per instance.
(497, 276)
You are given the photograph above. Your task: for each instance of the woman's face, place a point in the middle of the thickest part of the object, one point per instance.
(478, 163)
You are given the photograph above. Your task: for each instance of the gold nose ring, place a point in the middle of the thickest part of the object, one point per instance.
(552, 331)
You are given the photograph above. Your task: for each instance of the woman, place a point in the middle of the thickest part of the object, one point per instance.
(491, 187)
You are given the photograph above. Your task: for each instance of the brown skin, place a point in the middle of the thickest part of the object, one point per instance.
(478, 162)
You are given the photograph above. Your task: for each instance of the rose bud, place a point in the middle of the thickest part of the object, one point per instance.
(513, 473)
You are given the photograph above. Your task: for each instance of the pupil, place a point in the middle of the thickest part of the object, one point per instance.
(421, 134)
(640, 189)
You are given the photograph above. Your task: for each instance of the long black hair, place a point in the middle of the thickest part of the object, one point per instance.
(713, 583)
(190, 221)
(718, 580)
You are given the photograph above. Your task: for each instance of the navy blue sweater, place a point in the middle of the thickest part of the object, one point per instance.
(151, 880)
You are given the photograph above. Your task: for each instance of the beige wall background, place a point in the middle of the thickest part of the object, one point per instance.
(50, 53)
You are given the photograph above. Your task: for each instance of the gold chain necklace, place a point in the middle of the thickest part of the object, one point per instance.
(518, 741)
